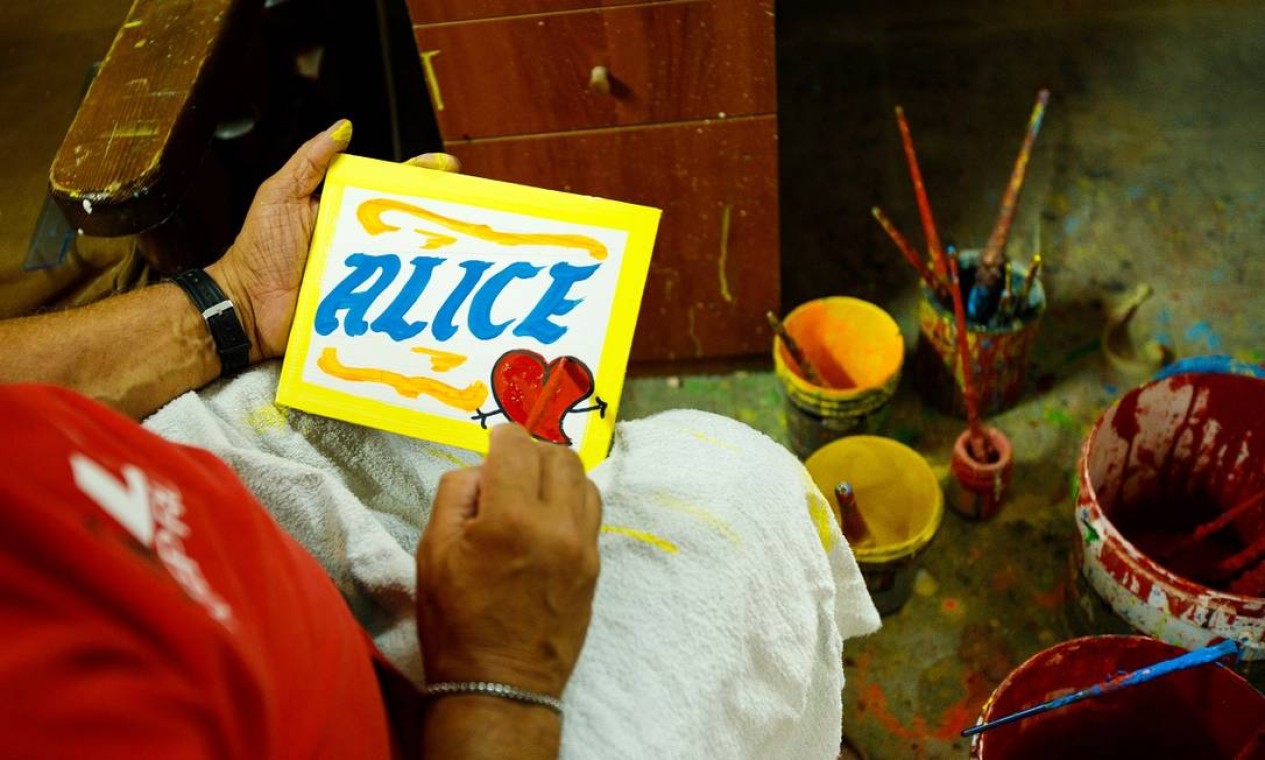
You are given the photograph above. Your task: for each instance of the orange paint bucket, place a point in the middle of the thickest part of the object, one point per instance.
(857, 349)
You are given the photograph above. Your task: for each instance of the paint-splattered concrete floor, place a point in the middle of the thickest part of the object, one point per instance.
(1149, 169)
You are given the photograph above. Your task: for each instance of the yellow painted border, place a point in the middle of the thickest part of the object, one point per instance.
(640, 222)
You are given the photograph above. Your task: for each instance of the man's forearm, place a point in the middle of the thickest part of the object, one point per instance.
(465, 727)
(134, 352)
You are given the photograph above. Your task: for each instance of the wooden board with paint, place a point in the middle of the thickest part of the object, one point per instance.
(436, 305)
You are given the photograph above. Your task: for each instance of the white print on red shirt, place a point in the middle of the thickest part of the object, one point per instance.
(153, 514)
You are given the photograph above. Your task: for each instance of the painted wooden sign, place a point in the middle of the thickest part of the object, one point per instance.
(435, 305)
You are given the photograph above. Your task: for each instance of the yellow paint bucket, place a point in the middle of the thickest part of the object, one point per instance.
(857, 349)
(898, 496)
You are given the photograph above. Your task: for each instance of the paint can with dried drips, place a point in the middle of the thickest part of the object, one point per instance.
(857, 349)
(1170, 511)
(977, 488)
(899, 498)
(999, 352)
(1207, 712)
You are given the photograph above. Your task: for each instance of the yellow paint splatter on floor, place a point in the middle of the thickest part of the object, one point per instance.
(924, 584)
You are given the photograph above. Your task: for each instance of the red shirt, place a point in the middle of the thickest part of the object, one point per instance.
(150, 607)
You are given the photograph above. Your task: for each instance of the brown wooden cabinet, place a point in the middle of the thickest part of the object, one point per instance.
(670, 104)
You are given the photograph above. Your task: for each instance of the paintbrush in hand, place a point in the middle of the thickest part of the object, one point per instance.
(1117, 682)
(984, 295)
(806, 367)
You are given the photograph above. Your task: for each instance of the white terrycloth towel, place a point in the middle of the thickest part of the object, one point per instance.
(726, 588)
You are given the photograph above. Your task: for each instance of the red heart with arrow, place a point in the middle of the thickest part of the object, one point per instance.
(537, 395)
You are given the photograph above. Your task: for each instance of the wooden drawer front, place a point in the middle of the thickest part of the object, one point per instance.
(714, 273)
(440, 11)
(670, 61)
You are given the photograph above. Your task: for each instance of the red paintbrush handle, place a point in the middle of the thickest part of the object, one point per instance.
(933, 282)
(920, 192)
(968, 380)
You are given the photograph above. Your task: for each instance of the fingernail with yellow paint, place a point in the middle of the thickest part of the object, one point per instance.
(439, 161)
(341, 132)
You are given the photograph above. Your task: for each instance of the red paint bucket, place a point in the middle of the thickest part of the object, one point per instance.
(1168, 457)
(978, 488)
(1208, 712)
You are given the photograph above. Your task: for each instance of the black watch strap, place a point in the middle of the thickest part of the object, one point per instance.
(230, 339)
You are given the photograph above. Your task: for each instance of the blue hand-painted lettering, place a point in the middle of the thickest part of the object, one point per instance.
(392, 321)
(482, 284)
(444, 326)
(346, 297)
(481, 307)
(554, 303)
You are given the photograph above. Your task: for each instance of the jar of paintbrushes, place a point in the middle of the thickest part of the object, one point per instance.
(997, 347)
(1003, 301)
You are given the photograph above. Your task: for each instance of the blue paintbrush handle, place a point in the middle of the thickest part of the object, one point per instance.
(1141, 675)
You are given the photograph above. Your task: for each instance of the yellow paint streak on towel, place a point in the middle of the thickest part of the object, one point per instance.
(642, 536)
(712, 440)
(668, 501)
(446, 456)
(822, 517)
(269, 417)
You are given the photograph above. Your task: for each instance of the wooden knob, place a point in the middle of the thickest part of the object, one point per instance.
(599, 81)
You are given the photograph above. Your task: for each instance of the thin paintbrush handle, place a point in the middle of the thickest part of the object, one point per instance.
(920, 193)
(806, 367)
(1010, 200)
(968, 379)
(1214, 525)
(905, 248)
(1033, 269)
(1141, 675)
(936, 284)
(1229, 516)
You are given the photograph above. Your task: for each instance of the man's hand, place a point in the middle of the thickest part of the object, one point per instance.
(262, 270)
(507, 567)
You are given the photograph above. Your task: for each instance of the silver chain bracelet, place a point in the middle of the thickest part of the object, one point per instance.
(505, 691)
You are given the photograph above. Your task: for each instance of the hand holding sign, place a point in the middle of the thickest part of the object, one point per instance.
(261, 271)
(491, 276)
